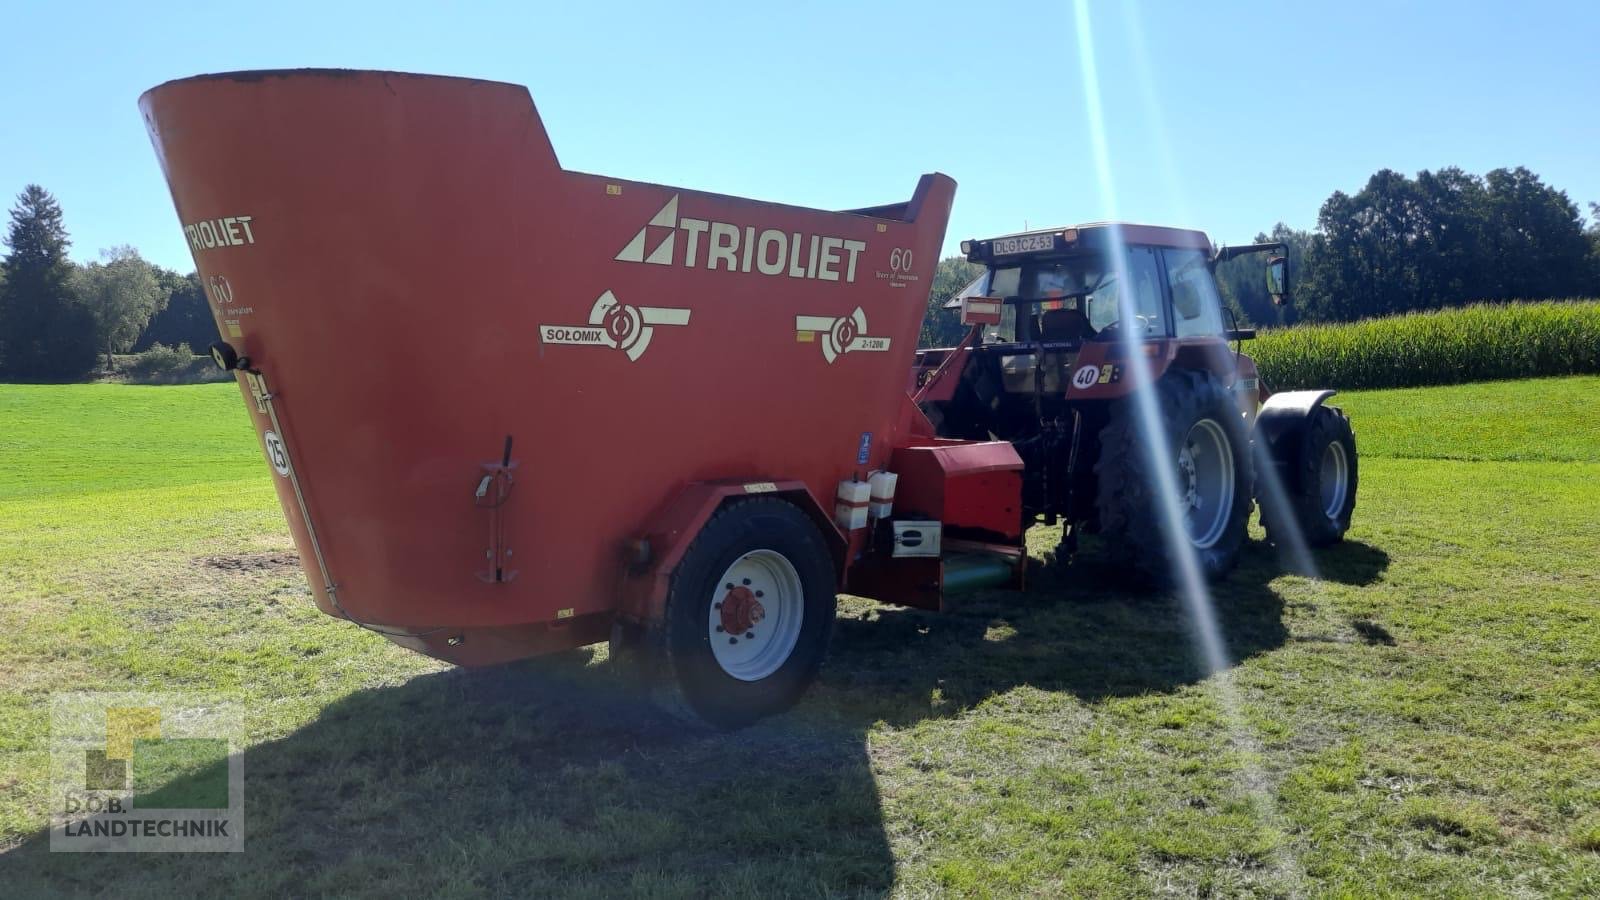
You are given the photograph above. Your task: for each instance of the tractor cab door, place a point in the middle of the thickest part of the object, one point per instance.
(1197, 323)
(1196, 303)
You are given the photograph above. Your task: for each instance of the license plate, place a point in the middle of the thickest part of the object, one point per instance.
(1028, 243)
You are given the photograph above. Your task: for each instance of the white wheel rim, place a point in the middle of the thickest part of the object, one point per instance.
(1206, 478)
(1335, 479)
(755, 614)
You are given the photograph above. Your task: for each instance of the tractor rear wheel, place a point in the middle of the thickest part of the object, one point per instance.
(749, 613)
(1321, 491)
(1201, 443)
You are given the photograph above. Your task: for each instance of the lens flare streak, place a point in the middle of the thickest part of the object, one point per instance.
(1159, 457)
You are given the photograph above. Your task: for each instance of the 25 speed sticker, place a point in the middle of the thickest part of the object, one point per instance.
(277, 454)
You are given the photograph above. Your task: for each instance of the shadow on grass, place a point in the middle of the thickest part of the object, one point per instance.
(537, 779)
(1350, 562)
(1076, 630)
(548, 779)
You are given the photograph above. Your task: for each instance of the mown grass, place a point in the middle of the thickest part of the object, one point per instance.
(1423, 720)
(1547, 419)
(1482, 342)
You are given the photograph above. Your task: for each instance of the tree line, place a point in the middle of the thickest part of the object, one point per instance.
(60, 320)
(1441, 239)
(1398, 245)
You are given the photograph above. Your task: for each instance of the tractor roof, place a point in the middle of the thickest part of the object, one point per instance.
(1088, 236)
(1065, 240)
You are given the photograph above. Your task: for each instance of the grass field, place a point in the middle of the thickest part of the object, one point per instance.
(1424, 719)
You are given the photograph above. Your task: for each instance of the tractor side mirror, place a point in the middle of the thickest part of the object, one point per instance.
(1278, 279)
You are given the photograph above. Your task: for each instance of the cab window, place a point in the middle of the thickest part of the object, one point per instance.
(1196, 307)
(1139, 300)
(1006, 331)
(1088, 283)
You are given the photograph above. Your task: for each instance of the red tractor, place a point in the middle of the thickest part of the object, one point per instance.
(1066, 323)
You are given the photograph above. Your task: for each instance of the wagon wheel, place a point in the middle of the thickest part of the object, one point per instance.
(748, 616)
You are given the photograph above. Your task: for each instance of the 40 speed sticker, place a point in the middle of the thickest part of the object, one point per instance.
(1089, 376)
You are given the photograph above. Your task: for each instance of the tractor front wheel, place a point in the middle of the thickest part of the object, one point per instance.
(1200, 504)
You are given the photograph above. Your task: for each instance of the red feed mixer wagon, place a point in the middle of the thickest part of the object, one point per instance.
(513, 409)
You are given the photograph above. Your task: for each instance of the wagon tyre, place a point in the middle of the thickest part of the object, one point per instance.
(1321, 489)
(1203, 436)
(749, 614)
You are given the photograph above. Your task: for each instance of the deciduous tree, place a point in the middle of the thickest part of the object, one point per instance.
(1443, 239)
(186, 319)
(123, 293)
(942, 327)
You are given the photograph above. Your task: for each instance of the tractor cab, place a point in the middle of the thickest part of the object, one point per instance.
(1078, 283)
(1051, 302)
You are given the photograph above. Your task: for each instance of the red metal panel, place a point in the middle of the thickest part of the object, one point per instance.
(962, 484)
(417, 278)
(908, 581)
(989, 500)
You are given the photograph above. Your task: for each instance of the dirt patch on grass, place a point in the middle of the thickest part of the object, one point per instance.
(251, 563)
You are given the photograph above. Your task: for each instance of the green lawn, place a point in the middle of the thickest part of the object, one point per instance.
(1423, 720)
(1549, 419)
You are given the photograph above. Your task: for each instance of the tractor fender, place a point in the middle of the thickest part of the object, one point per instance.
(652, 557)
(1102, 370)
(1281, 425)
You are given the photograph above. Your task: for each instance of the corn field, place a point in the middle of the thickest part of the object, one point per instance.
(1482, 342)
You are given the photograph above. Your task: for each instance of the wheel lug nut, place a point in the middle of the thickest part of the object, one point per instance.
(719, 629)
(749, 634)
(759, 594)
(728, 586)
(716, 606)
(733, 640)
(747, 581)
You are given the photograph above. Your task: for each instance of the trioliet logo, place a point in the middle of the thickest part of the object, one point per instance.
(227, 231)
(734, 248)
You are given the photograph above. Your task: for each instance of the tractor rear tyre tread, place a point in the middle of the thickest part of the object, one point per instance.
(692, 684)
(1130, 521)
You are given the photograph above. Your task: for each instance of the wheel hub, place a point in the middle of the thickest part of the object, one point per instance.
(1334, 479)
(740, 610)
(1191, 497)
(756, 612)
(1206, 475)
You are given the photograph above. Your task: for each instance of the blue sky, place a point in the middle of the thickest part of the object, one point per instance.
(1226, 116)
